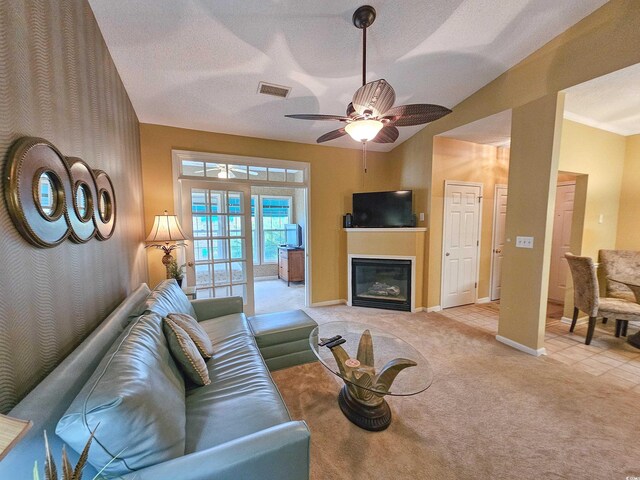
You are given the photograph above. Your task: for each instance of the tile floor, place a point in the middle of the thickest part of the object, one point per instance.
(608, 357)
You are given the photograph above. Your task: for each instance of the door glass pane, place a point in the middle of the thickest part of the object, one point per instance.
(237, 248)
(239, 272)
(221, 273)
(235, 226)
(218, 225)
(220, 251)
(221, 292)
(203, 274)
(200, 226)
(235, 202)
(201, 251)
(217, 202)
(198, 201)
(239, 291)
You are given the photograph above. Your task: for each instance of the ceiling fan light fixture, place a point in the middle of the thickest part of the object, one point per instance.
(364, 130)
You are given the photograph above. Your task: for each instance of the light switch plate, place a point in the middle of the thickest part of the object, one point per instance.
(421, 216)
(524, 242)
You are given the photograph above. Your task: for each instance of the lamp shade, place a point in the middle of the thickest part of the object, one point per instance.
(166, 228)
(363, 130)
(11, 431)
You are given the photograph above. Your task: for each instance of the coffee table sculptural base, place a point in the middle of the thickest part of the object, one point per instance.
(361, 399)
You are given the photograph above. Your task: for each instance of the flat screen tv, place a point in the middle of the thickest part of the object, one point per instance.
(293, 235)
(383, 209)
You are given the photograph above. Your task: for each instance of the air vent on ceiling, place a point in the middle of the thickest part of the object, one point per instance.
(274, 90)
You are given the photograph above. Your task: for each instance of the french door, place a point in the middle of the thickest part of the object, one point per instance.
(217, 217)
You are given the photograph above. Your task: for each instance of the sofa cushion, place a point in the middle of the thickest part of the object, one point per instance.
(185, 352)
(168, 298)
(241, 399)
(226, 326)
(195, 331)
(136, 396)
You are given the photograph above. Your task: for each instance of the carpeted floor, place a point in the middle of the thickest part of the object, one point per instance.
(491, 413)
(274, 296)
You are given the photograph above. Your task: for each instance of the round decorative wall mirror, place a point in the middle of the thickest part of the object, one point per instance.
(48, 194)
(84, 209)
(105, 206)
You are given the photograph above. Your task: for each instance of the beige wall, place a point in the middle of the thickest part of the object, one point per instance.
(57, 81)
(335, 174)
(467, 162)
(601, 156)
(628, 235)
(601, 43)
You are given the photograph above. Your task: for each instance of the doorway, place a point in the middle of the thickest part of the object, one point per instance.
(497, 248)
(279, 224)
(240, 213)
(561, 240)
(460, 243)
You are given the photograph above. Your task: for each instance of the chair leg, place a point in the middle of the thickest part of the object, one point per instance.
(604, 320)
(625, 324)
(574, 319)
(618, 327)
(592, 327)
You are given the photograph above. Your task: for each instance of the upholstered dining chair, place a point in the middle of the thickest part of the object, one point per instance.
(586, 298)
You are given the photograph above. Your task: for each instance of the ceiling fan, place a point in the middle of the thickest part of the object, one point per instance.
(371, 115)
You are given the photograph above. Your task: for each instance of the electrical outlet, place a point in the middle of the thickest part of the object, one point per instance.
(421, 216)
(524, 242)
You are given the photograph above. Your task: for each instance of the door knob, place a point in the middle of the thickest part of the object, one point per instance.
(447, 254)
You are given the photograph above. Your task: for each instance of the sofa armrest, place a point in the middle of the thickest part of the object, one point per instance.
(272, 454)
(208, 308)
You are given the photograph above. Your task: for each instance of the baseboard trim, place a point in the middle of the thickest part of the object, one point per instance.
(265, 278)
(437, 308)
(522, 348)
(328, 303)
(418, 309)
(483, 300)
(580, 321)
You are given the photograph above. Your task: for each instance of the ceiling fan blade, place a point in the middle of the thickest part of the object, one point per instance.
(415, 114)
(332, 135)
(377, 96)
(388, 134)
(312, 116)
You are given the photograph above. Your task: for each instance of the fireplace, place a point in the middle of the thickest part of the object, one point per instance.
(381, 283)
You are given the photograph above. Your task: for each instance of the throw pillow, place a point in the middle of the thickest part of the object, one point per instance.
(195, 331)
(185, 352)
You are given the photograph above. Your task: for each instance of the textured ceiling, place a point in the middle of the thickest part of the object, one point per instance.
(197, 63)
(610, 102)
(494, 130)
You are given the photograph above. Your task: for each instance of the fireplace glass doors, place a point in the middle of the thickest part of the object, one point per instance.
(381, 283)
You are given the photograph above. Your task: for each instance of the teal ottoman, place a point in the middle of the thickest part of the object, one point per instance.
(283, 338)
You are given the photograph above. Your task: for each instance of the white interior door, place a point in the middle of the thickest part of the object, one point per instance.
(499, 218)
(561, 240)
(217, 217)
(461, 243)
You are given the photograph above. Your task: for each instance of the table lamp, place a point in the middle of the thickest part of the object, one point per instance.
(11, 432)
(166, 228)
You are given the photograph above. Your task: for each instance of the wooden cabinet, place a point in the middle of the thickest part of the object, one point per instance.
(291, 264)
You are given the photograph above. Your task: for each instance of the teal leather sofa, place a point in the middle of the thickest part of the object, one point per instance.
(237, 427)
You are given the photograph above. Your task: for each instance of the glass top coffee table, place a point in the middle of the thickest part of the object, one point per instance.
(373, 363)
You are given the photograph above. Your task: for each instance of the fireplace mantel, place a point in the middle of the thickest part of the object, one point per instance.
(401, 243)
(386, 230)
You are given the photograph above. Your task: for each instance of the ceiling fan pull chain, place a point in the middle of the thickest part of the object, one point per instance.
(364, 156)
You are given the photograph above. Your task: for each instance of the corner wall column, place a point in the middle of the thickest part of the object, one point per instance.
(535, 144)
